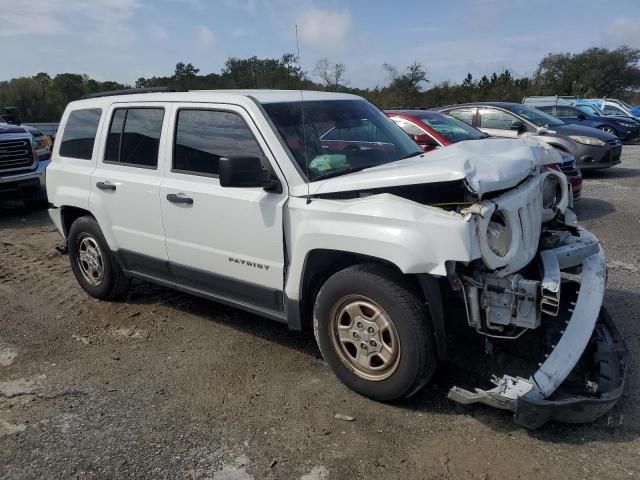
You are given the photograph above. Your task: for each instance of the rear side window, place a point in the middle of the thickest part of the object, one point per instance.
(203, 136)
(80, 133)
(134, 137)
(464, 114)
(567, 112)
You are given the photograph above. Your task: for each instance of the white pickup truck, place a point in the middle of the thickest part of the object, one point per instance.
(316, 210)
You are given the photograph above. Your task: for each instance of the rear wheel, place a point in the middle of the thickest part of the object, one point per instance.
(374, 332)
(92, 261)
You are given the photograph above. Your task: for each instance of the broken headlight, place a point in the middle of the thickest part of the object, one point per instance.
(499, 234)
(551, 192)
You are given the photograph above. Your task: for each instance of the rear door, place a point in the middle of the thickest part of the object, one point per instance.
(125, 186)
(227, 242)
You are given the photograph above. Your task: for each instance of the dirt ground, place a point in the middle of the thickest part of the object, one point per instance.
(165, 385)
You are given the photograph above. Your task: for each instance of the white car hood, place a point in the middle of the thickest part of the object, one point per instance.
(487, 165)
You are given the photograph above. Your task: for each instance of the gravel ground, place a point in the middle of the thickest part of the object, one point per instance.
(165, 385)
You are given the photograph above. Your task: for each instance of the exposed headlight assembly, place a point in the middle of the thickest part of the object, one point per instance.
(499, 234)
(551, 191)
(555, 194)
(584, 140)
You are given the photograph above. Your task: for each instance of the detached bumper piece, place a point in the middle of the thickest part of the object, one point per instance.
(583, 375)
(608, 358)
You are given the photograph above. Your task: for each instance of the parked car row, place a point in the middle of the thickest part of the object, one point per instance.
(587, 132)
(590, 113)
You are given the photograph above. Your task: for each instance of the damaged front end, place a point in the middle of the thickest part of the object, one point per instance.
(539, 288)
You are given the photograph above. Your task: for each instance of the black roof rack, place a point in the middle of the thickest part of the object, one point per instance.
(133, 91)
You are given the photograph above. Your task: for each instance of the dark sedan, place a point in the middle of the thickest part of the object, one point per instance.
(592, 148)
(624, 129)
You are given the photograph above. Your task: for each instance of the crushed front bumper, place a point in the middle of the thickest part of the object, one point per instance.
(588, 332)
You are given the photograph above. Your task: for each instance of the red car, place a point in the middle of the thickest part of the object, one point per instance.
(432, 130)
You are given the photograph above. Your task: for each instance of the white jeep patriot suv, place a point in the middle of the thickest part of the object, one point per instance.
(316, 210)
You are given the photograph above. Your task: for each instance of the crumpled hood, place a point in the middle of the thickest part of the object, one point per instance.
(487, 165)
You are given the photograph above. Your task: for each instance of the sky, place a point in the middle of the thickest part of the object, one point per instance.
(123, 40)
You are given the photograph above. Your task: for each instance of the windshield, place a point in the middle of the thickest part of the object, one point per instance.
(535, 116)
(451, 128)
(341, 136)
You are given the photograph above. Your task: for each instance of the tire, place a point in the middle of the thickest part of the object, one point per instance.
(92, 262)
(608, 129)
(372, 303)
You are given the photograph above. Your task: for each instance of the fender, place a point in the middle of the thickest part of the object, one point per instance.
(415, 238)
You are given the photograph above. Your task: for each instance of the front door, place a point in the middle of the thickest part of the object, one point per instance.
(227, 242)
(497, 122)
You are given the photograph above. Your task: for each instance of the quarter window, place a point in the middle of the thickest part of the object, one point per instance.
(204, 136)
(134, 137)
(80, 133)
(497, 119)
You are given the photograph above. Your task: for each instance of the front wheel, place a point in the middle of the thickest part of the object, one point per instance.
(374, 332)
(608, 129)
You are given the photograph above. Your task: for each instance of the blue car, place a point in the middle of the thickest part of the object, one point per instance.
(624, 128)
(636, 111)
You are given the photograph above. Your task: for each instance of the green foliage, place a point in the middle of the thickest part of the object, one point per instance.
(42, 99)
(596, 72)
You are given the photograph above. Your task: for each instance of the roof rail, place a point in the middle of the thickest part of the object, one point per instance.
(133, 91)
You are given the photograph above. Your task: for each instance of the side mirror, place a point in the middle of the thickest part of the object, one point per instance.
(518, 126)
(13, 115)
(581, 116)
(245, 172)
(425, 140)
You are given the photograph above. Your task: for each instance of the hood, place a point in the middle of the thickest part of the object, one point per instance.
(570, 129)
(6, 128)
(487, 165)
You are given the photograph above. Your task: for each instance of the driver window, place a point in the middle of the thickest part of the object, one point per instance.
(566, 112)
(610, 110)
(496, 119)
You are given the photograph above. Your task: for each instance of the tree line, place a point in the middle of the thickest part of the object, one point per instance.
(596, 72)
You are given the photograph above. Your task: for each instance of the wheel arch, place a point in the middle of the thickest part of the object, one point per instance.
(70, 214)
(320, 264)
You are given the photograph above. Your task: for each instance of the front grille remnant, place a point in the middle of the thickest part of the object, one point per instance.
(15, 155)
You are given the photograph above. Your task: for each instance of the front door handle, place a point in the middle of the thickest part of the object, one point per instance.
(179, 198)
(106, 186)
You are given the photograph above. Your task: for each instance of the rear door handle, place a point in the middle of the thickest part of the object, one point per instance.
(179, 198)
(106, 186)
